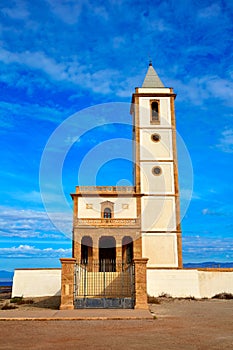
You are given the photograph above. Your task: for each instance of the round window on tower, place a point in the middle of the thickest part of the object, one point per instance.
(156, 170)
(155, 137)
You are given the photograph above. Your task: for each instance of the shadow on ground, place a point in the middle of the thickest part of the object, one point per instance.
(47, 302)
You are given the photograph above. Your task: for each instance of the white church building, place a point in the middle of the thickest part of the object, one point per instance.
(146, 214)
(127, 240)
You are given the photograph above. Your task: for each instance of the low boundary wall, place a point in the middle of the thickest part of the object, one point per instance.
(198, 283)
(36, 282)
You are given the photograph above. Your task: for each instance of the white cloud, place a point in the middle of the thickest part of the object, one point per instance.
(207, 248)
(6, 122)
(99, 11)
(158, 25)
(188, 194)
(67, 11)
(52, 198)
(220, 88)
(226, 141)
(30, 251)
(36, 60)
(32, 223)
(194, 90)
(32, 197)
(207, 211)
(211, 11)
(118, 41)
(32, 111)
(102, 81)
(18, 11)
(125, 87)
(199, 89)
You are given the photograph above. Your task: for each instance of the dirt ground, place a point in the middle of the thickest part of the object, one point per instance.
(30, 303)
(178, 324)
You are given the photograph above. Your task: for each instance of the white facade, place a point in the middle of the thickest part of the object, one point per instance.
(90, 207)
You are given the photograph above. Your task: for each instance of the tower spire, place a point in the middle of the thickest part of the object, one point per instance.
(152, 79)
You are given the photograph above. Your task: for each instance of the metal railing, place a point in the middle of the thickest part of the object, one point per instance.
(104, 284)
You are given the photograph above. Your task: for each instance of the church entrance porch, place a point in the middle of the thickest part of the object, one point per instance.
(110, 250)
(104, 284)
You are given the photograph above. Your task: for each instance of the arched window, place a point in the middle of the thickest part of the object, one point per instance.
(107, 213)
(107, 210)
(155, 112)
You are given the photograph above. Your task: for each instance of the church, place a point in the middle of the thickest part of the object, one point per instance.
(114, 226)
(127, 240)
(142, 220)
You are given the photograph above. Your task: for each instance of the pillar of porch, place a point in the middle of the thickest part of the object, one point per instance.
(137, 248)
(67, 283)
(118, 255)
(140, 283)
(95, 254)
(77, 250)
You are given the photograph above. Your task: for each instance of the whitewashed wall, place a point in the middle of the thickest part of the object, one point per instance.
(158, 214)
(160, 249)
(177, 283)
(161, 184)
(211, 283)
(36, 282)
(186, 283)
(156, 150)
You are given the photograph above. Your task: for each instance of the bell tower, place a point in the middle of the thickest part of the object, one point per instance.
(156, 171)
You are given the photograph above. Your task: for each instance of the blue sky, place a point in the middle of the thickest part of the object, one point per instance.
(59, 57)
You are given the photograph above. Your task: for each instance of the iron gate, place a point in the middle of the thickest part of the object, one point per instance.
(104, 284)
